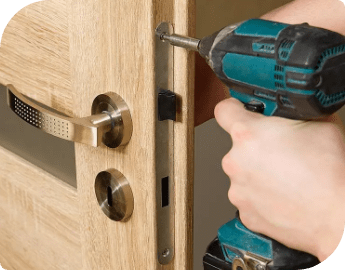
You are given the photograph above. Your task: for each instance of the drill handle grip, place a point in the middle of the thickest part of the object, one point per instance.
(283, 257)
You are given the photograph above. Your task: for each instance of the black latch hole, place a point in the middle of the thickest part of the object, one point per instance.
(165, 191)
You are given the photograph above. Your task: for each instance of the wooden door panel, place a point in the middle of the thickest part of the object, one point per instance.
(39, 214)
(64, 54)
(34, 54)
(119, 38)
(39, 218)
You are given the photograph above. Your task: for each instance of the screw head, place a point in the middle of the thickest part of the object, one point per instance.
(166, 253)
(260, 267)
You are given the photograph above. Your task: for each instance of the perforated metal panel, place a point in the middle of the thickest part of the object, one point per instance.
(48, 123)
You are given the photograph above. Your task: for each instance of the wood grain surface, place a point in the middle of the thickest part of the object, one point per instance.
(112, 49)
(39, 218)
(34, 54)
(39, 214)
(64, 53)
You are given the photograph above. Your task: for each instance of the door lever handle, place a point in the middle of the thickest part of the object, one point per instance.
(110, 122)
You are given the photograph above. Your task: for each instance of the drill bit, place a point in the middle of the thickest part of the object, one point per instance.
(181, 41)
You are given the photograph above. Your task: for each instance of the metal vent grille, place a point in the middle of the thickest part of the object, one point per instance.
(285, 49)
(330, 53)
(279, 77)
(329, 100)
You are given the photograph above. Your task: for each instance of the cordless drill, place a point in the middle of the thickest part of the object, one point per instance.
(292, 71)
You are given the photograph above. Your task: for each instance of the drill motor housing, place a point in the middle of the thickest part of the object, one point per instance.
(293, 71)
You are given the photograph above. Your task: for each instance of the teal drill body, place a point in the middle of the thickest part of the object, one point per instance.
(291, 71)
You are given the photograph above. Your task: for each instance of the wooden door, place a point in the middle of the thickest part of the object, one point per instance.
(63, 53)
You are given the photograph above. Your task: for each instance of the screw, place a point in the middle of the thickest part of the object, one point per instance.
(166, 253)
(260, 267)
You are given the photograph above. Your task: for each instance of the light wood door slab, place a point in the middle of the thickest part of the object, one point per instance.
(39, 218)
(39, 214)
(64, 53)
(112, 49)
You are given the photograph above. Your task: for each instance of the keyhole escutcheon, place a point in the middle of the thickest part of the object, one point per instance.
(114, 195)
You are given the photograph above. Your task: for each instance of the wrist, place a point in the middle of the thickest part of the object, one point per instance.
(329, 245)
(331, 234)
(328, 14)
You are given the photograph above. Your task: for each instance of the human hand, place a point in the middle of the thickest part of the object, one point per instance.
(287, 177)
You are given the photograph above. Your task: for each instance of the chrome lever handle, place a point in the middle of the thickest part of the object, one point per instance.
(110, 122)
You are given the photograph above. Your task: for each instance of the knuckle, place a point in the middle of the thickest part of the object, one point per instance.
(234, 198)
(216, 111)
(219, 109)
(229, 166)
(224, 105)
(240, 131)
(225, 163)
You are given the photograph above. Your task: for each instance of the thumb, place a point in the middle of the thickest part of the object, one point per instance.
(231, 111)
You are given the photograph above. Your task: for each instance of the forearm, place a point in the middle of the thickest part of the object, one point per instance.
(328, 240)
(329, 14)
